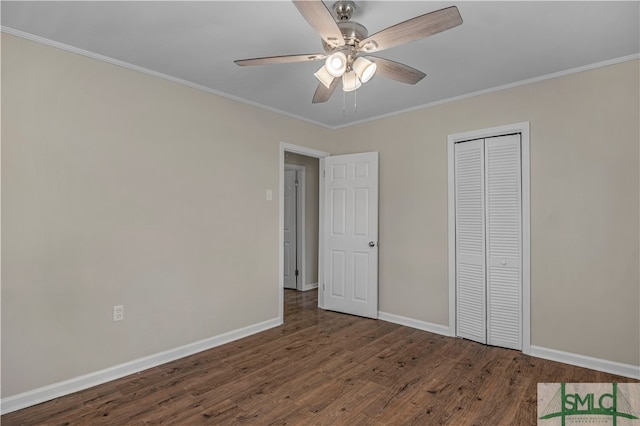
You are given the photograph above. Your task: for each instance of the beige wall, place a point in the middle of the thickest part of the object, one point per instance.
(120, 188)
(311, 212)
(584, 206)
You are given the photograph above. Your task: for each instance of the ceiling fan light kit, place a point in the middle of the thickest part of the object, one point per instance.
(336, 64)
(323, 75)
(364, 68)
(350, 81)
(353, 74)
(346, 43)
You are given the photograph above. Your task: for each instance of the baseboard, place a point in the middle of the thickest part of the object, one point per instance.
(626, 370)
(307, 287)
(414, 323)
(56, 390)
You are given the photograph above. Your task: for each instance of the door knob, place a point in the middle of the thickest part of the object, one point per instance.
(372, 244)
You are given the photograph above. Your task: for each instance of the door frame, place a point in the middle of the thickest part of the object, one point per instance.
(309, 152)
(523, 129)
(301, 190)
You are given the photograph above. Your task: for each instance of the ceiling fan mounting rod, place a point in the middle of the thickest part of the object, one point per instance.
(344, 10)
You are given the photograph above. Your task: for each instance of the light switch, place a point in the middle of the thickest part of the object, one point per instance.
(269, 195)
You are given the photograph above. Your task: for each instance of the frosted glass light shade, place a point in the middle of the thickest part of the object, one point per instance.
(364, 68)
(350, 81)
(336, 64)
(323, 75)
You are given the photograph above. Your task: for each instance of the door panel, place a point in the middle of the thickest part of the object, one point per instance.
(361, 207)
(361, 276)
(338, 274)
(339, 212)
(470, 241)
(351, 218)
(504, 241)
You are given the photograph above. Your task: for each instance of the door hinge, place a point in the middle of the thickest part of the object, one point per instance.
(296, 183)
(296, 272)
(324, 173)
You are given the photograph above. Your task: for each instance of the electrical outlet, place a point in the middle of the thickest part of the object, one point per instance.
(118, 313)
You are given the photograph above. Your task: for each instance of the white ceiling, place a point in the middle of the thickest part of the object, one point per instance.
(499, 43)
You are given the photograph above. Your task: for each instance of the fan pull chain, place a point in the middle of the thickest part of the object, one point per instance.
(355, 100)
(344, 102)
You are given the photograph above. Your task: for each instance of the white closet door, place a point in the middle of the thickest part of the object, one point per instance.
(503, 241)
(470, 241)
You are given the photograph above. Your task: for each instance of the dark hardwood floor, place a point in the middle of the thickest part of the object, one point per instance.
(323, 368)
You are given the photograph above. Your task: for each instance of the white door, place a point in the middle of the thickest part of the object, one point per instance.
(470, 241)
(351, 234)
(290, 227)
(488, 223)
(504, 241)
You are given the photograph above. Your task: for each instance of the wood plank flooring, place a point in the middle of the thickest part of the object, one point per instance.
(323, 368)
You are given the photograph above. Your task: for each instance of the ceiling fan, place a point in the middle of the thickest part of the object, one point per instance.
(347, 46)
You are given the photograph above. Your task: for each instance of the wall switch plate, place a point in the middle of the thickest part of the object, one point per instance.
(118, 313)
(269, 195)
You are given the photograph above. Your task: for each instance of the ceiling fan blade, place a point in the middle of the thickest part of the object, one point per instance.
(285, 59)
(323, 93)
(396, 71)
(321, 20)
(414, 29)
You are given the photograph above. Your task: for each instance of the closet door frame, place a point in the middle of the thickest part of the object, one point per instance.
(523, 129)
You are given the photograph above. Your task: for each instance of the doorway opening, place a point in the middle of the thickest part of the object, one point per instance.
(309, 228)
(300, 232)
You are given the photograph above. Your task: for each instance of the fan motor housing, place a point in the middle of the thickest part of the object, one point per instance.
(352, 32)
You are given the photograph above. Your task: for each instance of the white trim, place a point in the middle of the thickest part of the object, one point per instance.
(309, 152)
(523, 129)
(321, 233)
(309, 287)
(414, 323)
(301, 238)
(56, 390)
(303, 150)
(451, 233)
(626, 370)
(127, 65)
(526, 236)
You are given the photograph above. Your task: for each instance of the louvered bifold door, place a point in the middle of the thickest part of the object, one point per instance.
(470, 241)
(503, 241)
